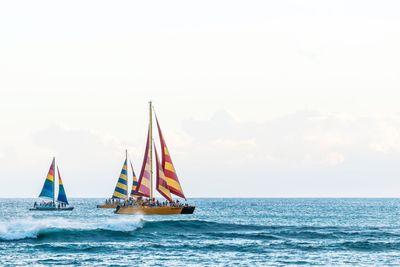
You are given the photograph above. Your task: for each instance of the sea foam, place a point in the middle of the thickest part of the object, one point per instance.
(32, 227)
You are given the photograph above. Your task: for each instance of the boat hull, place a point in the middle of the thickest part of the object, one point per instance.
(107, 206)
(51, 209)
(154, 210)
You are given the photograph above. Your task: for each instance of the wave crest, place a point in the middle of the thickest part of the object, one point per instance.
(37, 228)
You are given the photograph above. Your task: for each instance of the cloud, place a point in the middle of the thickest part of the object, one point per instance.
(303, 137)
(305, 153)
(89, 162)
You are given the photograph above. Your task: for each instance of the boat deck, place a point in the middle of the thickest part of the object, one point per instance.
(108, 206)
(163, 210)
(51, 209)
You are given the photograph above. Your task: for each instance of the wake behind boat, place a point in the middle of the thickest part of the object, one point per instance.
(167, 182)
(48, 193)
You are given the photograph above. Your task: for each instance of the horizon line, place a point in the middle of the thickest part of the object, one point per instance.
(241, 197)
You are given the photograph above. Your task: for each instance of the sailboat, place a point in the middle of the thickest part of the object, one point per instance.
(167, 182)
(48, 192)
(121, 189)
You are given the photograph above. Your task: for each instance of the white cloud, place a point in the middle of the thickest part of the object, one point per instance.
(307, 149)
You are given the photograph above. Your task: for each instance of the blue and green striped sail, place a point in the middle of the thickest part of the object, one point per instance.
(62, 197)
(134, 184)
(48, 187)
(121, 189)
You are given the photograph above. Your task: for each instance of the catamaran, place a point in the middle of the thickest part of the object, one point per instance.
(48, 192)
(167, 182)
(121, 189)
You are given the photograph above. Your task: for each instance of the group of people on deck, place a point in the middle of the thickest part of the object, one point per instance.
(146, 202)
(44, 204)
(114, 201)
(50, 204)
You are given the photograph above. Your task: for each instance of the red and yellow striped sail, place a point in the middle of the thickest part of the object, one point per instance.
(168, 167)
(143, 187)
(161, 183)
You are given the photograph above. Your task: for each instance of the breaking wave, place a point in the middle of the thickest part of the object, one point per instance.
(30, 228)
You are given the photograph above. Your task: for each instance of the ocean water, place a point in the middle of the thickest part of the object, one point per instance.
(222, 232)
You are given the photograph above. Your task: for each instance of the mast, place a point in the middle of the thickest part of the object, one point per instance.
(151, 148)
(54, 181)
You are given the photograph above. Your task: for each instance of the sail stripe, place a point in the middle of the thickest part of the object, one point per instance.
(121, 189)
(166, 152)
(48, 186)
(143, 187)
(172, 183)
(120, 185)
(168, 167)
(50, 175)
(118, 195)
(122, 181)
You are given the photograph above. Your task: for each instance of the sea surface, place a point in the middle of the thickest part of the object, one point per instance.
(222, 232)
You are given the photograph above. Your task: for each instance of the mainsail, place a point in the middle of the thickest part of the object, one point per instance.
(48, 187)
(134, 183)
(168, 167)
(161, 183)
(62, 197)
(121, 189)
(144, 183)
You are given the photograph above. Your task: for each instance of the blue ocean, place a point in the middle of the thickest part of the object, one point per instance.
(221, 232)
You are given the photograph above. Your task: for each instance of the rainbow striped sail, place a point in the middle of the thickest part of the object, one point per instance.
(161, 183)
(121, 189)
(168, 167)
(62, 197)
(144, 184)
(48, 187)
(134, 183)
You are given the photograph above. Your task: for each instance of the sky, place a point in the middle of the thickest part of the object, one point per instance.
(255, 98)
